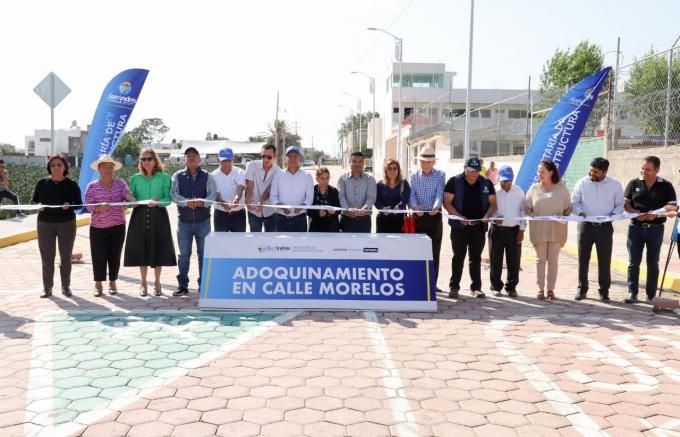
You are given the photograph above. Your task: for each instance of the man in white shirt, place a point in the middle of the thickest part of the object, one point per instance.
(596, 195)
(230, 183)
(293, 186)
(506, 236)
(259, 177)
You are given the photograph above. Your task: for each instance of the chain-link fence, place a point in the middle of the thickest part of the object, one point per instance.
(646, 102)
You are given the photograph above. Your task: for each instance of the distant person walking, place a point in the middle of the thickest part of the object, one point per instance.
(5, 193)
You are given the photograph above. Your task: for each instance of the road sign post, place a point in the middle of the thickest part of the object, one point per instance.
(52, 91)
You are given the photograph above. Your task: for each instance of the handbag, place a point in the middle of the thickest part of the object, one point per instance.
(409, 224)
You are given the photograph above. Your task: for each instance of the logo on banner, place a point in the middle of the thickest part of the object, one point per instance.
(125, 88)
(269, 248)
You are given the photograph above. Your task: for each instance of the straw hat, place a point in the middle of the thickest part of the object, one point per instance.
(105, 158)
(427, 154)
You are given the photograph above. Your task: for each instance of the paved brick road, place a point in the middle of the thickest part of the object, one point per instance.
(136, 366)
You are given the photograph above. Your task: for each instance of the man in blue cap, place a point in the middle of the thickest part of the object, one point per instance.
(293, 186)
(506, 236)
(230, 183)
(472, 198)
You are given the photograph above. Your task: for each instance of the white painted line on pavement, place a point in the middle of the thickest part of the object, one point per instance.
(541, 382)
(401, 411)
(40, 379)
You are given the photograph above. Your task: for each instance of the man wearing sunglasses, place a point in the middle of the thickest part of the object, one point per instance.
(259, 177)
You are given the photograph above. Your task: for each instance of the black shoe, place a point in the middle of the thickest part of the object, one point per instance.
(181, 291)
(604, 297)
(46, 293)
(497, 293)
(478, 294)
(512, 294)
(453, 293)
(580, 295)
(631, 298)
(66, 291)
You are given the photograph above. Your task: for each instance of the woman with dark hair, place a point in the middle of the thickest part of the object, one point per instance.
(548, 196)
(324, 194)
(56, 224)
(393, 192)
(149, 238)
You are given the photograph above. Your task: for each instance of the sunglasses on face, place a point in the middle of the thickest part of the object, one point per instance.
(393, 168)
(146, 159)
(266, 157)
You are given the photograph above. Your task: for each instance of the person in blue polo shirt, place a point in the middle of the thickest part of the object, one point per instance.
(293, 186)
(471, 196)
(190, 190)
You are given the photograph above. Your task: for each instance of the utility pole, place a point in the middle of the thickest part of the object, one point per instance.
(276, 128)
(466, 149)
(527, 138)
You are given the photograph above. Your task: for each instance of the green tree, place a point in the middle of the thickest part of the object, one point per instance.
(128, 144)
(645, 93)
(566, 68)
(258, 138)
(150, 130)
(353, 126)
(7, 149)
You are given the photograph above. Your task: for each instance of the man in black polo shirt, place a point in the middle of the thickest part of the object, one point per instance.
(644, 195)
(471, 196)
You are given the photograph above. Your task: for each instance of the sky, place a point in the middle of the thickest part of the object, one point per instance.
(217, 65)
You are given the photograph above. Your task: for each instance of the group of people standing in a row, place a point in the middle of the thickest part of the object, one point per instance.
(252, 195)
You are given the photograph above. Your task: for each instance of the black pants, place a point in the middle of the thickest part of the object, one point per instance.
(234, 221)
(503, 240)
(432, 226)
(389, 223)
(106, 244)
(49, 235)
(296, 223)
(599, 234)
(470, 241)
(357, 225)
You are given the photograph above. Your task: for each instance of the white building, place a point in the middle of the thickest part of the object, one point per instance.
(430, 103)
(66, 141)
(244, 151)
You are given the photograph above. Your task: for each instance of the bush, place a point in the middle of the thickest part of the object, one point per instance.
(22, 180)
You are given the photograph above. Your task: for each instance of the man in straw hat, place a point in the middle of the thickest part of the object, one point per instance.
(427, 194)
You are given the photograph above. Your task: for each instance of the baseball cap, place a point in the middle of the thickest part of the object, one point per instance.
(293, 149)
(473, 164)
(191, 149)
(226, 154)
(505, 174)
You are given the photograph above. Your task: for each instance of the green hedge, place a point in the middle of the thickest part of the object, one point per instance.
(22, 180)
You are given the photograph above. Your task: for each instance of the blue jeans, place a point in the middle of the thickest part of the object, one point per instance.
(256, 222)
(296, 223)
(186, 232)
(638, 237)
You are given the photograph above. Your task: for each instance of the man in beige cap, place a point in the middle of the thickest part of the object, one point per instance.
(427, 194)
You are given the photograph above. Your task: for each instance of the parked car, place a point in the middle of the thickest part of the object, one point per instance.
(308, 164)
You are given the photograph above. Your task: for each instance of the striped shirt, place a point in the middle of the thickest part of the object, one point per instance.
(96, 192)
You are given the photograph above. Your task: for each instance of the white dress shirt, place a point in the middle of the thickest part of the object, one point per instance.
(226, 185)
(602, 198)
(510, 204)
(255, 173)
(292, 189)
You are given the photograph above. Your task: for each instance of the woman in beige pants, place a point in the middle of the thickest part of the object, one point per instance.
(548, 197)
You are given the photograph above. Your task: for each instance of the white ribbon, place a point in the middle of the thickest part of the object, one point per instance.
(569, 218)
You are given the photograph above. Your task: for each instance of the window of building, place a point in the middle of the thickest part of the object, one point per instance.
(438, 80)
(458, 112)
(486, 113)
(422, 81)
(517, 113)
(45, 140)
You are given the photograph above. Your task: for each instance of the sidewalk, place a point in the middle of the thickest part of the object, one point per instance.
(20, 229)
(620, 258)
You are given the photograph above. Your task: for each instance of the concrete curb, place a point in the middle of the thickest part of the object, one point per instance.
(621, 265)
(32, 235)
